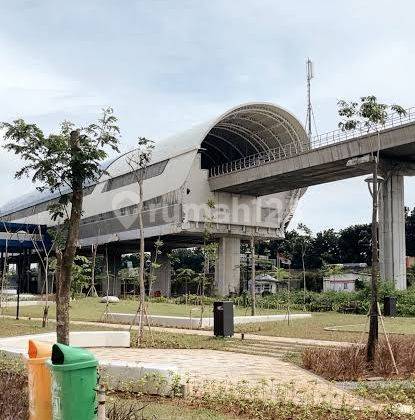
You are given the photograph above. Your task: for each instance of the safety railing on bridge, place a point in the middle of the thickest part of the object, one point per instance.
(318, 141)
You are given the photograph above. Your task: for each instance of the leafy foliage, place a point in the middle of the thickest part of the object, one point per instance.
(53, 163)
(366, 114)
(81, 274)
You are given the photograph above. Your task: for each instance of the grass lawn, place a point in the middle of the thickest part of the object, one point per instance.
(11, 327)
(90, 309)
(167, 340)
(348, 327)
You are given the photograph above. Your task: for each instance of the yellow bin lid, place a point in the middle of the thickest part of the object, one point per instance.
(39, 350)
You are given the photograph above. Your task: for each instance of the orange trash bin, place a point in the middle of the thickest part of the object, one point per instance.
(40, 396)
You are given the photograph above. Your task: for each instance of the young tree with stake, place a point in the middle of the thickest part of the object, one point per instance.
(138, 161)
(368, 114)
(305, 241)
(63, 163)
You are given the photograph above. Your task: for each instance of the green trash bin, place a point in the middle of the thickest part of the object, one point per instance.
(74, 382)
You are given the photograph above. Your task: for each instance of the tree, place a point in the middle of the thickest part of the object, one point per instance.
(324, 249)
(368, 114)
(185, 276)
(280, 273)
(44, 261)
(305, 240)
(81, 274)
(355, 244)
(138, 162)
(63, 163)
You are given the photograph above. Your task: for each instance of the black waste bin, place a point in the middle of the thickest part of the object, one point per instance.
(389, 306)
(223, 319)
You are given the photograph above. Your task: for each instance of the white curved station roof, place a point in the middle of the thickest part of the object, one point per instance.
(243, 130)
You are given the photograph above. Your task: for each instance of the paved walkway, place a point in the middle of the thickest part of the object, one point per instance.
(203, 366)
(230, 368)
(288, 340)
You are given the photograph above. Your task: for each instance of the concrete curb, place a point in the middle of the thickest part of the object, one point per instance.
(194, 322)
(119, 375)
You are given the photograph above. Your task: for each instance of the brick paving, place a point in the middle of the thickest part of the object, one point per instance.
(200, 366)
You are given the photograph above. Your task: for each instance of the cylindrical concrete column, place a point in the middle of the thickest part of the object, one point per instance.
(162, 281)
(392, 230)
(227, 268)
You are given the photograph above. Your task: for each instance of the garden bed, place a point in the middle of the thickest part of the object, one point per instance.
(349, 363)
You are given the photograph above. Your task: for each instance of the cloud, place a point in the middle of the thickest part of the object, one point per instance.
(165, 66)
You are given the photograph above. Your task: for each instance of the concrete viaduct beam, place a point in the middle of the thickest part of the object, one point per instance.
(319, 165)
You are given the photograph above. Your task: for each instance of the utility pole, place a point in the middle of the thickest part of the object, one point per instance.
(310, 75)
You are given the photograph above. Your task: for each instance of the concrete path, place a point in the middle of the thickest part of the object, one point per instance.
(288, 340)
(200, 367)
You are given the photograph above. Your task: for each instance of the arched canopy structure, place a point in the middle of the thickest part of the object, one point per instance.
(249, 129)
(242, 131)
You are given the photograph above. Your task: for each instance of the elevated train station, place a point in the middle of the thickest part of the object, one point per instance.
(254, 162)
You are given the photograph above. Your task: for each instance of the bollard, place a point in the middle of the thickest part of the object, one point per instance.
(39, 381)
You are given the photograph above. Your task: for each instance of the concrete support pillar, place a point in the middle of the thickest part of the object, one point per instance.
(392, 230)
(227, 268)
(162, 282)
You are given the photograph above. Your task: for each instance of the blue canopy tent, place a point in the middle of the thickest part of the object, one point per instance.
(19, 240)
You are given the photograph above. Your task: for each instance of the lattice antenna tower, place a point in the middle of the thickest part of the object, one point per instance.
(310, 114)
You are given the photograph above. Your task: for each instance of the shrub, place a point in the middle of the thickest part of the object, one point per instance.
(349, 363)
(14, 399)
(345, 302)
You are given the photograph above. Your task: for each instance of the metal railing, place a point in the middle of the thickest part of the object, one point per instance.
(318, 141)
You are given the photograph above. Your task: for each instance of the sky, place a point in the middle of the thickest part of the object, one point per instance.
(165, 65)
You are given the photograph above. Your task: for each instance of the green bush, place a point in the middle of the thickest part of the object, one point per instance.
(345, 302)
(357, 302)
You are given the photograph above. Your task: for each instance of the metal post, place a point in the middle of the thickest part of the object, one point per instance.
(19, 274)
(253, 275)
(101, 402)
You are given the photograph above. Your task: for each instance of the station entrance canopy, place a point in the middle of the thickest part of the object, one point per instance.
(17, 237)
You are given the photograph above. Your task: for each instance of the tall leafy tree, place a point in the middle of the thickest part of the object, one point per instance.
(63, 162)
(355, 244)
(324, 249)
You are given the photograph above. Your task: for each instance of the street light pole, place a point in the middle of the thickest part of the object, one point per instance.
(253, 303)
(374, 313)
(373, 185)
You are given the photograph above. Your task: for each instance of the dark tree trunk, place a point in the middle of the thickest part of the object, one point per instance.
(68, 254)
